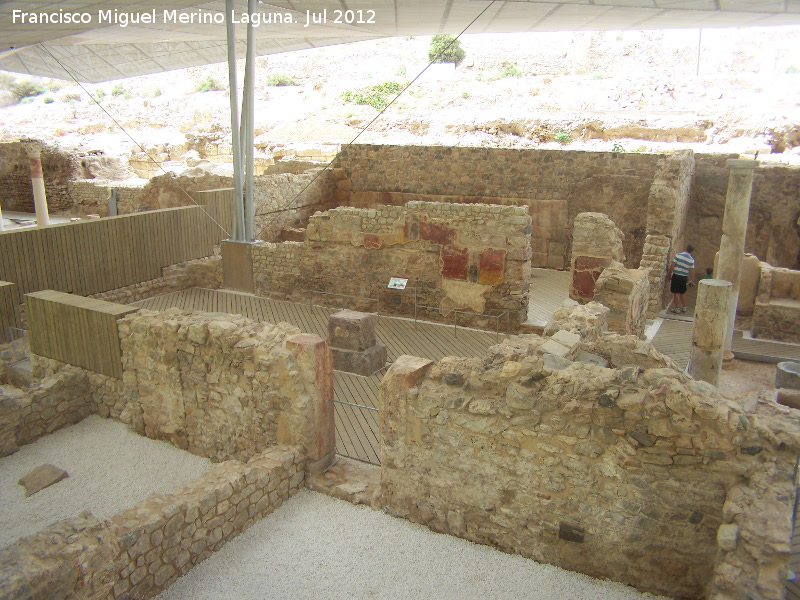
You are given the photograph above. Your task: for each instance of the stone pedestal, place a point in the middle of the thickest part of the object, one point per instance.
(351, 337)
(237, 266)
(734, 230)
(626, 292)
(708, 334)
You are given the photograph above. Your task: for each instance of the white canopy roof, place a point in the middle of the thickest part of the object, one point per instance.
(98, 50)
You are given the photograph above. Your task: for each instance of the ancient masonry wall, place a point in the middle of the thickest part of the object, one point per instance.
(631, 471)
(773, 233)
(15, 178)
(465, 257)
(141, 551)
(202, 273)
(555, 185)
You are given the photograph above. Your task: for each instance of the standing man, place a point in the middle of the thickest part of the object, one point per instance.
(681, 273)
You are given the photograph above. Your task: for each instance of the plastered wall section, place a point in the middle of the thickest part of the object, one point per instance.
(631, 471)
(141, 551)
(467, 257)
(617, 184)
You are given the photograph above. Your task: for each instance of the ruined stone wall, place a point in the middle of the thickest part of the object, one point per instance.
(464, 257)
(220, 386)
(596, 243)
(89, 198)
(51, 404)
(165, 536)
(608, 461)
(616, 184)
(776, 312)
(667, 208)
(141, 551)
(201, 272)
(773, 233)
(549, 233)
(15, 178)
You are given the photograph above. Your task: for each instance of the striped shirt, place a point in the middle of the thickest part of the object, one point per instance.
(683, 263)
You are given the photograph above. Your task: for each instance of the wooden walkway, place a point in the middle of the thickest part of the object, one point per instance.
(549, 289)
(356, 428)
(674, 338)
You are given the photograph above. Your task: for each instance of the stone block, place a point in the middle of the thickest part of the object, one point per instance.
(554, 348)
(787, 375)
(365, 362)
(41, 477)
(351, 330)
(567, 338)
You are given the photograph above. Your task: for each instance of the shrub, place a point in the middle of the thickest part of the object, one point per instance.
(510, 70)
(209, 84)
(280, 80)
(465, 94)
(99, 95)
(117, 90)
(156, 92)
(619, 148)
(6, 80)
(70, 97)
(54, 85)
(48, 100)
(376, 96)
(25, 89)
(562, 137)
(446, 48)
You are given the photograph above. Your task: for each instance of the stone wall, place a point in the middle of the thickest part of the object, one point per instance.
(773, 233)
(608, 460)
(465, 257)
(141, 551)
(616, 184)
(165, 536)
(549, 233)
(776, 313)
(667, 207)
(201, 272)
(626, 293)
(58, 169)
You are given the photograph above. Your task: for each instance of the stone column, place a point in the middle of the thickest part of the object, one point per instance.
(734, 230)
(708, 333)
(34, 152)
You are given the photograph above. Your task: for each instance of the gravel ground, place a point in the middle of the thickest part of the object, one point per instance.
(110, 469)
(317, 547)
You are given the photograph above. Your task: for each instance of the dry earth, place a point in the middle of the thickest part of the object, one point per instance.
(643, 90)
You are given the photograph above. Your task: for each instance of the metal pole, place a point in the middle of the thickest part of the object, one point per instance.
(455, 324)
(238, 214)
(248, 93)
(508, 323)
(415, 308)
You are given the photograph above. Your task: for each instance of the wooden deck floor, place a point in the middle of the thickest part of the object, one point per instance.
(549, 289)
(356, 428)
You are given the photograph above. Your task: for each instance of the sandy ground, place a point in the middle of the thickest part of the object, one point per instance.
(110, 469)
(317, 547)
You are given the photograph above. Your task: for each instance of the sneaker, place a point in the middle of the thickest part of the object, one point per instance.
(676, 310)
(684, 309)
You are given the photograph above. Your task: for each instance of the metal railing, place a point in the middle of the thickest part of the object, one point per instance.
(352, 433)
(377, 313)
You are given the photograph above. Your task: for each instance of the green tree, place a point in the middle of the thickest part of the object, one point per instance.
(446, 48)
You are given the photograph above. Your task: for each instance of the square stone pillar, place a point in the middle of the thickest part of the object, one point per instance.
(351, 336)
(237, 266)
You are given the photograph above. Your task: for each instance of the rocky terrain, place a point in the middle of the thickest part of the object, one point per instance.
(629, 91)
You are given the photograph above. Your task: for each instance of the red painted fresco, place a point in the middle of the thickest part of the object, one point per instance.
(438, 234)
(455, 262)
(491, 265)
(583, 283)
(371, 241)
(590, 263)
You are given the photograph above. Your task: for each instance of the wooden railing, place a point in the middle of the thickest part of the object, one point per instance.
(89, 257)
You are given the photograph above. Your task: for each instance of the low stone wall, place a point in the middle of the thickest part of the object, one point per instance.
(549, 217)
(163, 537)
(465, 257)
(141, 551)
(596, 243)
(602, 458)
(625, 292)
(52, 403)
(776, 314)
(202, 273)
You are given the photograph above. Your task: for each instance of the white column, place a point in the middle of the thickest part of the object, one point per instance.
(708, 331)
(734, 230)
(34, 152)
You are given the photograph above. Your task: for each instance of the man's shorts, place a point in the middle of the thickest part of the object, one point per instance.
(677, 284)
